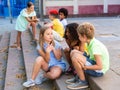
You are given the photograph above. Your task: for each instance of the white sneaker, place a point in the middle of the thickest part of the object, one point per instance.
(40, 78)
(29, 83)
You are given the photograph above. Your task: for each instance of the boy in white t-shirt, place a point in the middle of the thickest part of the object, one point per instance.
(63, 13)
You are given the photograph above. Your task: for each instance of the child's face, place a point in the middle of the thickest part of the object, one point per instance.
(61, 15)
(82, 38)
(31, 8)
(48, 35)
(51, 17)
(67, 33)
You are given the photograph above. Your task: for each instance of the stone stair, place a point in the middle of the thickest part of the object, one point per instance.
(15, 73)
(4, 43)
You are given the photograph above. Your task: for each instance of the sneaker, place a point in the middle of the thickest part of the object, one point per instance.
(29, 83)
(40, 78)
(78, 85)
(72, 80)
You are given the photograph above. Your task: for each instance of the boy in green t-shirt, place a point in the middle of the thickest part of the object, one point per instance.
(96, 64)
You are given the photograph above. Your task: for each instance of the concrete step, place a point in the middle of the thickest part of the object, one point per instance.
(15, 73)
(30, 54)
(110, 81)
(61, 85)
(4, 43)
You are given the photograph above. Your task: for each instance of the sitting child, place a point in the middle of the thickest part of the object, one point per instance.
(58, 29)
(50, 59)
(96, 64)
(73, 43)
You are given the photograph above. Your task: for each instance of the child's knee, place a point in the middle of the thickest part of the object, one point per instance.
(39, 59)
(55, 73)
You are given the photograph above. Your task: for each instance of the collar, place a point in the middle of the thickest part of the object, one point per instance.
(91, 42)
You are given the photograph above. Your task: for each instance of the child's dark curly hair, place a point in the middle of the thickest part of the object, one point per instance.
(64, 11)
(72, 28)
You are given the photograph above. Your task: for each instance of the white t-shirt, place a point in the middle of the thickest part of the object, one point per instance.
(64, 22)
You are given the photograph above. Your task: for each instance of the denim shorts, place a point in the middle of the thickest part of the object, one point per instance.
(61, 65)
(95, 73)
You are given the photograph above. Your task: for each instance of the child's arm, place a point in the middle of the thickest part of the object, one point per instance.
(97, 66)
(35, 18)
(31, 20)
(57, 53)
(46, 55)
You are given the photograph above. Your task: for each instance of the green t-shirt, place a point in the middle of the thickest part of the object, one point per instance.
(98, 48)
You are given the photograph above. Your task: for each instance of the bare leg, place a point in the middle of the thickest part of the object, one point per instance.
(54, 72)
(33, 24)
(39, 64)
(78, 61)
(78, 69)
(18, 39)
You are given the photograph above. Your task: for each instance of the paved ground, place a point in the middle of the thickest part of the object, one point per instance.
(107, 30)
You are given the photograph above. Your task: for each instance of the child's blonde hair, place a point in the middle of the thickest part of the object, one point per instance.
(86, 29)
(41, 35)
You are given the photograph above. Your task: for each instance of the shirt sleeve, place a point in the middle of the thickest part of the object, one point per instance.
(57, 45)
(96, 50)
(33, 14)
(24, 13)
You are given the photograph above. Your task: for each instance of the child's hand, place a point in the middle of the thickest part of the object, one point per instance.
(37, 20)
(76, 47)
(82, 65)
(49, 48)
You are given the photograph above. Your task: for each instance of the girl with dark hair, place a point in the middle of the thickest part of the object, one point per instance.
(72, 39)
(26, 18)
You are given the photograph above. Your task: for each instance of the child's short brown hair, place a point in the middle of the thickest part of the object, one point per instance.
(86, 29)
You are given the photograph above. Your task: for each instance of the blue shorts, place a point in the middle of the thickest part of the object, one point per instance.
(59, 65)
(95, 73)
(62, 65)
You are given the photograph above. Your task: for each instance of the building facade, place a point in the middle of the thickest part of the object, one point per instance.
(83, 7)
(75, 7)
